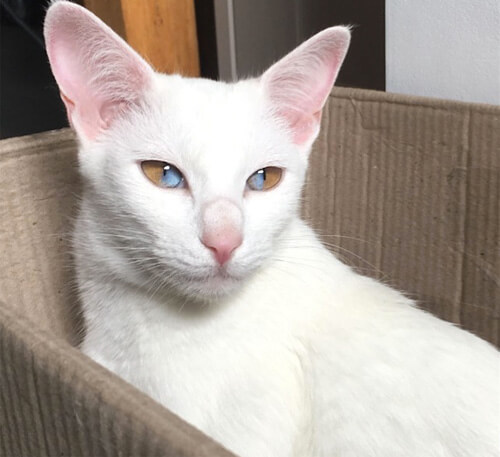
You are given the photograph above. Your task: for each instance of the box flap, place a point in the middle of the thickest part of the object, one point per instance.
(56, 401)
(407, 190)
(39, 182)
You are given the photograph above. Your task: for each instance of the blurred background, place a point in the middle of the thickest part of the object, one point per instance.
(437, 48)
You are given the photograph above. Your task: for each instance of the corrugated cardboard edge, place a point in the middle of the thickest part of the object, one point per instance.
(411, 100)
(56, 401)
(9, 147)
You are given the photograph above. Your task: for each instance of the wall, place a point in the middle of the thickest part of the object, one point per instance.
(252, 34)
(444, 48)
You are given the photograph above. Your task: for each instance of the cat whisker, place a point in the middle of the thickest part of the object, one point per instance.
(335, 247)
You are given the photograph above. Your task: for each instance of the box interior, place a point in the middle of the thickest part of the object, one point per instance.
(404, 189)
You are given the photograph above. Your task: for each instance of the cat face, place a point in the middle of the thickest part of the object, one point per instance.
(192, 181)
(217, 136)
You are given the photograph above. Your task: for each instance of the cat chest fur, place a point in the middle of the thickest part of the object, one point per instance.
(237, 369)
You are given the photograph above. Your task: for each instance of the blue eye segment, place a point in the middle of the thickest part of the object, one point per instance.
(257, 180)
(171, 177)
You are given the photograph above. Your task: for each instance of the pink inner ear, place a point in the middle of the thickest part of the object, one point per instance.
(298, 85)
(73, 79)
(303, 126)
(98, 73)
(304, 122)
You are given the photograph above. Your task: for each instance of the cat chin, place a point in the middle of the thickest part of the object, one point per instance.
(211, 288)
(203, 289)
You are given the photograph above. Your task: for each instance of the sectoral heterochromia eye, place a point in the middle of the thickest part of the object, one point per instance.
(265, 178)
(163, 174)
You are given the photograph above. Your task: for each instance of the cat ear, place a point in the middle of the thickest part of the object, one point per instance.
(98, 74)
(298, 85)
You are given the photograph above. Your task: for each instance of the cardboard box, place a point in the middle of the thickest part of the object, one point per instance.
(407, 189)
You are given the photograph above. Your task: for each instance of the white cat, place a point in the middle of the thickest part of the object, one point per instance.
(201, 286)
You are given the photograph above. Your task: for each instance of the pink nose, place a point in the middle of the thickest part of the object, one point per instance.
(222, 243)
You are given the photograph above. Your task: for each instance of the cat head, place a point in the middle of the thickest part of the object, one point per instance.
(192, 181)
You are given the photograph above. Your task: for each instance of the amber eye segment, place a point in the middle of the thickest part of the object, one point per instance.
(163, 174)
(265, 178)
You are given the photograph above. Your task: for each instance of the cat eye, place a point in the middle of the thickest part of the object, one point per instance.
(265, 178)
(163, 174)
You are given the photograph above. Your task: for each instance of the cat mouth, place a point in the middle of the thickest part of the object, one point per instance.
(204, 275)
(220, 275)
(202, 281)
(213, 285)
(222, 272)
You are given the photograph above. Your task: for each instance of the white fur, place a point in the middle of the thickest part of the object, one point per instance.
(286, 352)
